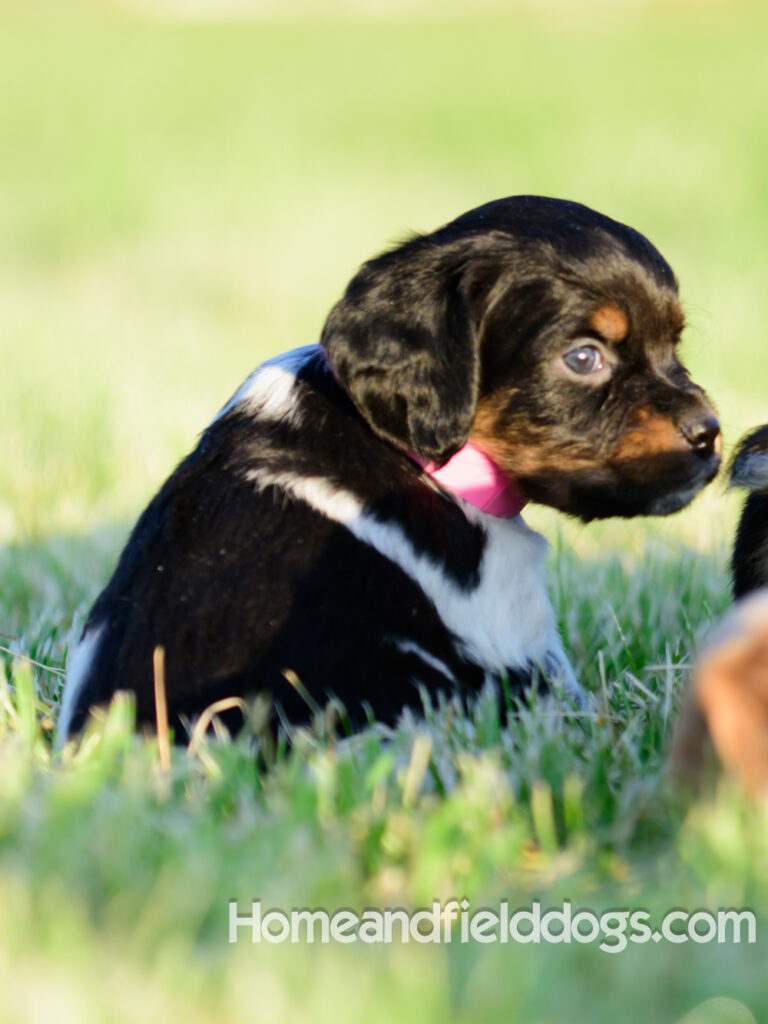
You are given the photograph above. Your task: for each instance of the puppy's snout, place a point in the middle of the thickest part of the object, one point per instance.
(702, 432)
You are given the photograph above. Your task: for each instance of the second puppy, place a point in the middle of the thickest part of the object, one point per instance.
(749, 469)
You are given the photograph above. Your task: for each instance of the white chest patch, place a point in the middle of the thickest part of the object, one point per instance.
(505, 621)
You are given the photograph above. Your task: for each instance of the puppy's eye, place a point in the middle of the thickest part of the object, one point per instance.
(584, 360)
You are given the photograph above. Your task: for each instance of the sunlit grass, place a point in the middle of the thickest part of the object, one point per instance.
(117, 874)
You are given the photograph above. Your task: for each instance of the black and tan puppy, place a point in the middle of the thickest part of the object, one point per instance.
(305, 531)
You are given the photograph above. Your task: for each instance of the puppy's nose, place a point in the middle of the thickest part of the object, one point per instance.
(702, 432)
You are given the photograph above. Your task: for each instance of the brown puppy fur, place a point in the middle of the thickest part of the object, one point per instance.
(727, 706)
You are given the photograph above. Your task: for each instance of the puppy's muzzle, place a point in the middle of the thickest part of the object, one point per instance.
(702, 432)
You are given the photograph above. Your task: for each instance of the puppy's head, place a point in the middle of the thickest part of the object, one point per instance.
(547, 334)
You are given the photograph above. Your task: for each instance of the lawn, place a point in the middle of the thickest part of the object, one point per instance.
(180, 200)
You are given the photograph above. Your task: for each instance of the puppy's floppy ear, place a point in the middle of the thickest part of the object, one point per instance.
(403, 344)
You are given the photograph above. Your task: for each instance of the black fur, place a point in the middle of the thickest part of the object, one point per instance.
(453, 335)
(254, 571)
(749, 469)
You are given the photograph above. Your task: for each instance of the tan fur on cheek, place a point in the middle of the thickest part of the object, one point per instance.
(526, 451)
(527, 461)
(485, 426)
(655, 436)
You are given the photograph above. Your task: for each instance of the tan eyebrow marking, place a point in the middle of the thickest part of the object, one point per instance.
(610, 322)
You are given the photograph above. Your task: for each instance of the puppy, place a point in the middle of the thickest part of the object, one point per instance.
(305, 535)
(727, 706)
(749, 469)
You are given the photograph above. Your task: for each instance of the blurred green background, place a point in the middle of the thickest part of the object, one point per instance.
(180, 198)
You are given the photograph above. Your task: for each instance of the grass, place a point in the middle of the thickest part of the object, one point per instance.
(179, 201)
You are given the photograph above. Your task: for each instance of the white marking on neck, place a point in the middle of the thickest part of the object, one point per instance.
(270, 391)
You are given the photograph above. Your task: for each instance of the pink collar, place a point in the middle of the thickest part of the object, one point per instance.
(473, 476)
